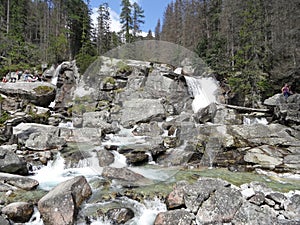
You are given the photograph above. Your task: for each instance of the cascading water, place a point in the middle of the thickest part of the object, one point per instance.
(55, 75)
(203, 91)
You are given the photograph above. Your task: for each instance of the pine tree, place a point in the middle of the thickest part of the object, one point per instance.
(126, 20)
(157, 30)
(137, 19)
(103, 29)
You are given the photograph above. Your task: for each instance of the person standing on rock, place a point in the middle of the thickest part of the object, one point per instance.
(286, 91)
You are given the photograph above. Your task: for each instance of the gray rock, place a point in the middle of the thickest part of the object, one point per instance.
(287, 111)
(38, 93)
(4, 221)
(120, 215)
(147, 129)
(9, 182)
(122, 174)
(252, 214)
(257, 199)
(206, 114)
(61, 204)
(292, 210)
(176, 198)
(141, 110)
(38, 136)
(264, 157)
(196, 194)
(10, 162)
(105, 157)
(178, 217)
(19, 212)
(220, 206)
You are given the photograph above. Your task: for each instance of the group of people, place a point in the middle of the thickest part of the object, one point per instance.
(17, 76)
(286, 91)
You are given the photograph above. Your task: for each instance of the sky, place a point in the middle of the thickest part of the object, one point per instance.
(153, 10)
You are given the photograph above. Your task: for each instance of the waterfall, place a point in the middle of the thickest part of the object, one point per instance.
(56, 74)
(203, 90)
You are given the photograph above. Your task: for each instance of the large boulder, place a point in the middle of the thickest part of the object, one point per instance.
(38, 93)
(10, 162)
(19, 212)
(286, 110)
(141, 110)
(9, 182)
(38, 136)
(61, 204)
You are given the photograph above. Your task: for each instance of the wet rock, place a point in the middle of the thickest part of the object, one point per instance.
(105, 157)
(178, 216)
(10, 162)
(19, 212)
(61, 204)
(38, 136)
(120, 215)
(206, 114)
(9, 182)
(137, 157)
(122, 174)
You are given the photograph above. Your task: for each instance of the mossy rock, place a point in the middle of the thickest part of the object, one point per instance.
(43, 90)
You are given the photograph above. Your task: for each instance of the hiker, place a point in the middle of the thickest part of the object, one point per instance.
(4, 79)
(286, 91)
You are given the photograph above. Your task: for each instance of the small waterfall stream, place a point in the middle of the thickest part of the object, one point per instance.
(203, 90)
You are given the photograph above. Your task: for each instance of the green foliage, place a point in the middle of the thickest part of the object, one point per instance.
(4, 117)
(83, 61)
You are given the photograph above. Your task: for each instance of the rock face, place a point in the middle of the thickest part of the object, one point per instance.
(60, 205)
(214, 201)
(38, 93)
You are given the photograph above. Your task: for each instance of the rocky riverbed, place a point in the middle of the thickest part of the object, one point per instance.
(136, 124)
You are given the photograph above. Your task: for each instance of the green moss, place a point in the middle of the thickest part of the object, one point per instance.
(79, 109)
(83, 99)
(43, 89)
(110, 80)
(123, 67)
(4, 117)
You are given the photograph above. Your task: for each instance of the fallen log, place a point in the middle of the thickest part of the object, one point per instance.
(242, 108)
